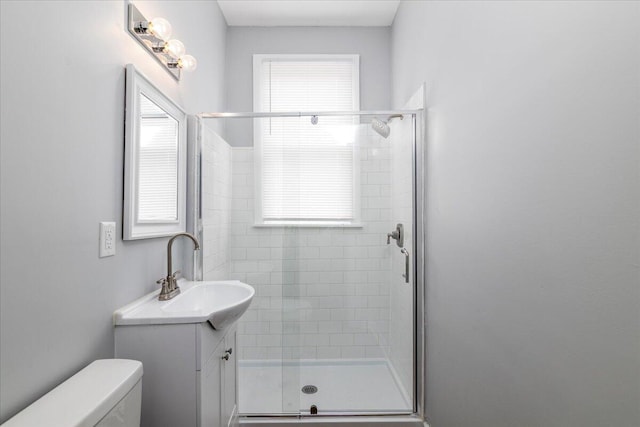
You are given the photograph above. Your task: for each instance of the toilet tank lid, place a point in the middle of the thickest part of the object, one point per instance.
(85, 398)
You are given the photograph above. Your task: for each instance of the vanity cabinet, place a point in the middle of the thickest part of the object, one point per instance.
(190, 373)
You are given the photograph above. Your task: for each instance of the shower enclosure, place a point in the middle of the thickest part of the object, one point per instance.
(319, 213)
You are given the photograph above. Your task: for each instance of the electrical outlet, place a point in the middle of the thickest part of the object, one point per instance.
(107, 239)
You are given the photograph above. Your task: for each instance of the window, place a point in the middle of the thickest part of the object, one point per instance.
(306, 174)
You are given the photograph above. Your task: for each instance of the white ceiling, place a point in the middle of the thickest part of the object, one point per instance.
(304, 13)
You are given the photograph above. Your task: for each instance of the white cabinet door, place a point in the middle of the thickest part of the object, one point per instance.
(211, 389)
(217, 380)
(229, 393)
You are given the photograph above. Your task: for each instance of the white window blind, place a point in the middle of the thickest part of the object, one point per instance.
(157, 163)
(306, 172)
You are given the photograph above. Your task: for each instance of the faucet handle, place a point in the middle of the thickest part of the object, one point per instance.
(175, 275)
(161, 281)
(397, 235)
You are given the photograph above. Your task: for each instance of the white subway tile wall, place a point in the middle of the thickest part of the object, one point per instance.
(325, 293)
(320, 292)
(216, 209)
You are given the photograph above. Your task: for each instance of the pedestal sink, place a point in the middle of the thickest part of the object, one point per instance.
(218, 302)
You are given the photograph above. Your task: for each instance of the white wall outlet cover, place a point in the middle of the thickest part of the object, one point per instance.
(107, 239)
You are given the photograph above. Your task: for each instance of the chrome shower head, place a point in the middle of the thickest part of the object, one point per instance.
(380, 127)
(383, 128)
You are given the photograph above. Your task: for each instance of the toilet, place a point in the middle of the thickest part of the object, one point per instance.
(106, 393)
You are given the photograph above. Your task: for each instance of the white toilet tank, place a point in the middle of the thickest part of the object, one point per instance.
(106, 393)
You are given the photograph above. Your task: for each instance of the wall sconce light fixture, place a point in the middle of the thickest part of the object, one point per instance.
(155, 35)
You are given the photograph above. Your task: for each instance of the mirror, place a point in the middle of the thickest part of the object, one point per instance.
(155, 161)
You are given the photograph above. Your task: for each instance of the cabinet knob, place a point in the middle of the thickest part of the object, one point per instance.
(227, 353)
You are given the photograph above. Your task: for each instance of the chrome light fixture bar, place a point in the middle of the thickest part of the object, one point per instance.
(154, 34)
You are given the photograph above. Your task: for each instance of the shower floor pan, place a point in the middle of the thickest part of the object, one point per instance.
(344, 387)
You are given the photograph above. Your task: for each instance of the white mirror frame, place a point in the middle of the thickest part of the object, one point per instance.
(132, 228)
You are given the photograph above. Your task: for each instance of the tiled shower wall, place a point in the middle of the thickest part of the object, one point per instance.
(325, 293)
(216, 205)
(320, 292)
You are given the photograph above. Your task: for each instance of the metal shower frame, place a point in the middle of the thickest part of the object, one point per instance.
(419, 237)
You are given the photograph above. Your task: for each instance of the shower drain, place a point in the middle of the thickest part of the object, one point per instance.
(309, 389)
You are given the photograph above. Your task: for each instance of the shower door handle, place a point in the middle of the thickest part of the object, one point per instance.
(405, 252)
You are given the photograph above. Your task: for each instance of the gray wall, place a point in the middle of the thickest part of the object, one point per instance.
(371, 43)
(533, 315)
(61, 173)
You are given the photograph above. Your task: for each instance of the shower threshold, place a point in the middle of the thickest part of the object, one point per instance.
(359, 387)
(345, 421)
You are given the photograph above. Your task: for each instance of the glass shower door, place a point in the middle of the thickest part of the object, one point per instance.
(347, 306)
(331, 327)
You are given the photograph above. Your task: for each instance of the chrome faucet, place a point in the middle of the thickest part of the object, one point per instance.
(169, 284)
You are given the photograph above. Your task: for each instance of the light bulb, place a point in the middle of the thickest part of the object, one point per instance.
(160, 28)
(174, 48)
(187, 63)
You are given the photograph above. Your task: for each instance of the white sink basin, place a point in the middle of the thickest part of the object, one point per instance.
(220, 303)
